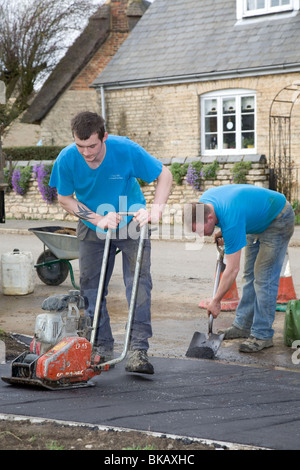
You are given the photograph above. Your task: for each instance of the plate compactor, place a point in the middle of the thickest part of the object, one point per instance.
(61, 355)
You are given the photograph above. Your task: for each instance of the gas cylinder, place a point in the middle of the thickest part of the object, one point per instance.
(17, 273)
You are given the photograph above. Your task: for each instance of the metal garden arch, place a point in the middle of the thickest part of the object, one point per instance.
(280, 158)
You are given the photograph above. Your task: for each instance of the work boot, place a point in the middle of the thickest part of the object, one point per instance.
(138, 361)
(100, 355)
(254, 345)
(233, 332)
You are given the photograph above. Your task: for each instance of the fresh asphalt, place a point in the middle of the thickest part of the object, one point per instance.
(206, 399)
(185, 397)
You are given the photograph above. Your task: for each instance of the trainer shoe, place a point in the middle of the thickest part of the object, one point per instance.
(138, 361)
(233, 332)
(254, 345)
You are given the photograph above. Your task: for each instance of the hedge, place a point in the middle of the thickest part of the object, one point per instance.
(31, 153)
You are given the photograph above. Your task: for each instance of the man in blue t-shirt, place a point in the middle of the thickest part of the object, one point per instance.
(262, 221)
(96, 179)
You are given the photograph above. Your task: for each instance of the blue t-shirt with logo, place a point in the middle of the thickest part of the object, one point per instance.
(112, 187)
(243, 209)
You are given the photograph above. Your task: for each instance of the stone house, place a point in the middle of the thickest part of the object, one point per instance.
(211, 80)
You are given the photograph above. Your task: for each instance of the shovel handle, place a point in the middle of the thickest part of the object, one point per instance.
(210, 323)
(220, 257)
(220, 248)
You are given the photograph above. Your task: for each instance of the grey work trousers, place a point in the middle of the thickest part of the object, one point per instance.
(91, 249)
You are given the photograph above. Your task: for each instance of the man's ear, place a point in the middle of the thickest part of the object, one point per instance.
(210, 217)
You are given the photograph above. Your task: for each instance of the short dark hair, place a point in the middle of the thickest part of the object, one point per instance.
(86, 123)
(196, 212)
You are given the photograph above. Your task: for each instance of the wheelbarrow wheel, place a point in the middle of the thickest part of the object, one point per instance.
(52, 274)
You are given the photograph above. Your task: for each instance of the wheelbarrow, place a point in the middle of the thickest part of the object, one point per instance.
(53, 265)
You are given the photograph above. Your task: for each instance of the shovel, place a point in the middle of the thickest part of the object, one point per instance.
(205, 346)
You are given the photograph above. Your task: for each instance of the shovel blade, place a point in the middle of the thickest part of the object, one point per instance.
(204, 346)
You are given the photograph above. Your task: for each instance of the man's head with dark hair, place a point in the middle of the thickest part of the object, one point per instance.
(200, 218)
(196, 213)
(86, 123)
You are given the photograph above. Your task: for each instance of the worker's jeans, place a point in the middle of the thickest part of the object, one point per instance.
(264, 257)
(91, 250)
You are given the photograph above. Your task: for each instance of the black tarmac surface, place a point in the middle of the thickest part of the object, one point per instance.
(187, 397)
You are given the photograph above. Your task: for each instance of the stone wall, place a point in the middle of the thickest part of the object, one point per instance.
(32, 205)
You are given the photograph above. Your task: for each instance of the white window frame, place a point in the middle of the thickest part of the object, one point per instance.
(242, 11)
(219, 95)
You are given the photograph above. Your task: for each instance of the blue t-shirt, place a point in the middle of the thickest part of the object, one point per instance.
(112, 187)
(242, 209)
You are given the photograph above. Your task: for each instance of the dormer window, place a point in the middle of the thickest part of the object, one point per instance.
(266, 6)
(251, 8)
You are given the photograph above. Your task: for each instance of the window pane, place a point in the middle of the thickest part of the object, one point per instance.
(247, 140)
(251, 5)
(228, 105)
(211, 124)
(229, 123)
(210, 107)
(247, 113)
(229, 141)
(211, 141)
(248, 122)
(276, 3)
(256, 4)
(247, 104)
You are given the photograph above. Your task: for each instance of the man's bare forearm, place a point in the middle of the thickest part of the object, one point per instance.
(69, 204)
(83, 213)
(162, 192)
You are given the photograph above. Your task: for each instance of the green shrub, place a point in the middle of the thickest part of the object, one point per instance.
(178, 171)
(31, 153)
(240, 171)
